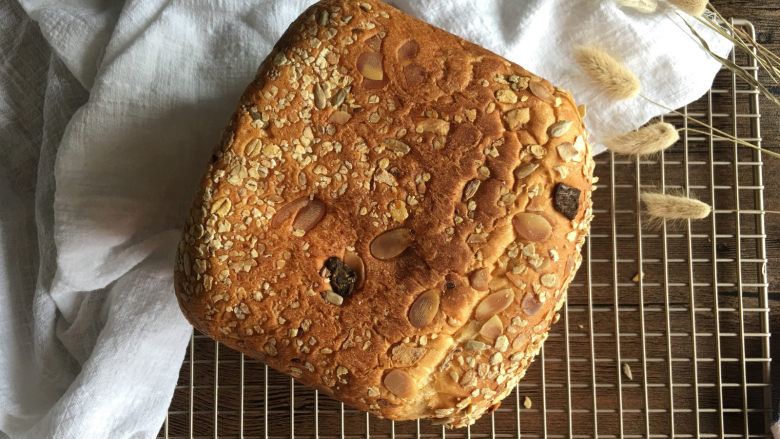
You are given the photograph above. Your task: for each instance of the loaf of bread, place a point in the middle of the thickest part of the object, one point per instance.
(393, 216)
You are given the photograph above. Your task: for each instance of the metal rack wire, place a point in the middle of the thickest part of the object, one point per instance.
(665, 333)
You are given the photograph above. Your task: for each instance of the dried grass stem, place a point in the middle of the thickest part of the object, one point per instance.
(647, 140)
(604, 70)
(665, 207)
(691, 7)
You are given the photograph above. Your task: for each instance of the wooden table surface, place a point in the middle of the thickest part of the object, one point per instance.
(765, 15)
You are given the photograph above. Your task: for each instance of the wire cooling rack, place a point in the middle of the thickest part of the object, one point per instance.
(665, 333)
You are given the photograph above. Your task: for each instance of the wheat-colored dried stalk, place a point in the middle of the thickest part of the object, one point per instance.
(765, 58)
(643, 6)
(737, 70)
(665, 207)
(714, 132)
(647, 140)
(619, 82)
(692, 7)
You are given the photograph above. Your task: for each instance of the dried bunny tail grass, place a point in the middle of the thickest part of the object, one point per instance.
(647, 140)
(608, 72)
(622, 84)
(692, 7)
(643, 6)
(665, 207)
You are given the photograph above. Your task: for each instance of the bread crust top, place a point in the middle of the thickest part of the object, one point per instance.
(452, 186)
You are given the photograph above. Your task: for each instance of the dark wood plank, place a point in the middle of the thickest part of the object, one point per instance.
(765, 16)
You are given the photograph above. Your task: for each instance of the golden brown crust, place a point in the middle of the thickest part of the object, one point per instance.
(352, 129)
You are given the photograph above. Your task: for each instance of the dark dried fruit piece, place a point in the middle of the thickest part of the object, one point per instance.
(566, 200)
(342, 277)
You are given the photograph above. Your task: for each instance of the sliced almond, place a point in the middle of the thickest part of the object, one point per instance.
(497, 283)
(579, 144)
(309, 215)
(369, 64)
(414, 75)
(541, 91)
(467, 378)
(399, 383)
(471, 189)
(424, 309)
(408, 51)
(375, 42)
(319, 97)
(437, 126)
(339, 117)
(288, 210)
(479, 279)
(391, 243)
(525, 170)
(531, 305)
(474, 345)
(515, 279)
(560, 128)
(492, 328)
(568, 152)
(532, 227)
(494, 304)
(571, 265)
(582, 110)
(383, 176)
(355, 262)
(370, 84)
(339, 97)
(475, 238)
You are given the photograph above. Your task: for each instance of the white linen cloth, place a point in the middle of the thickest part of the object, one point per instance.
(108, 113)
